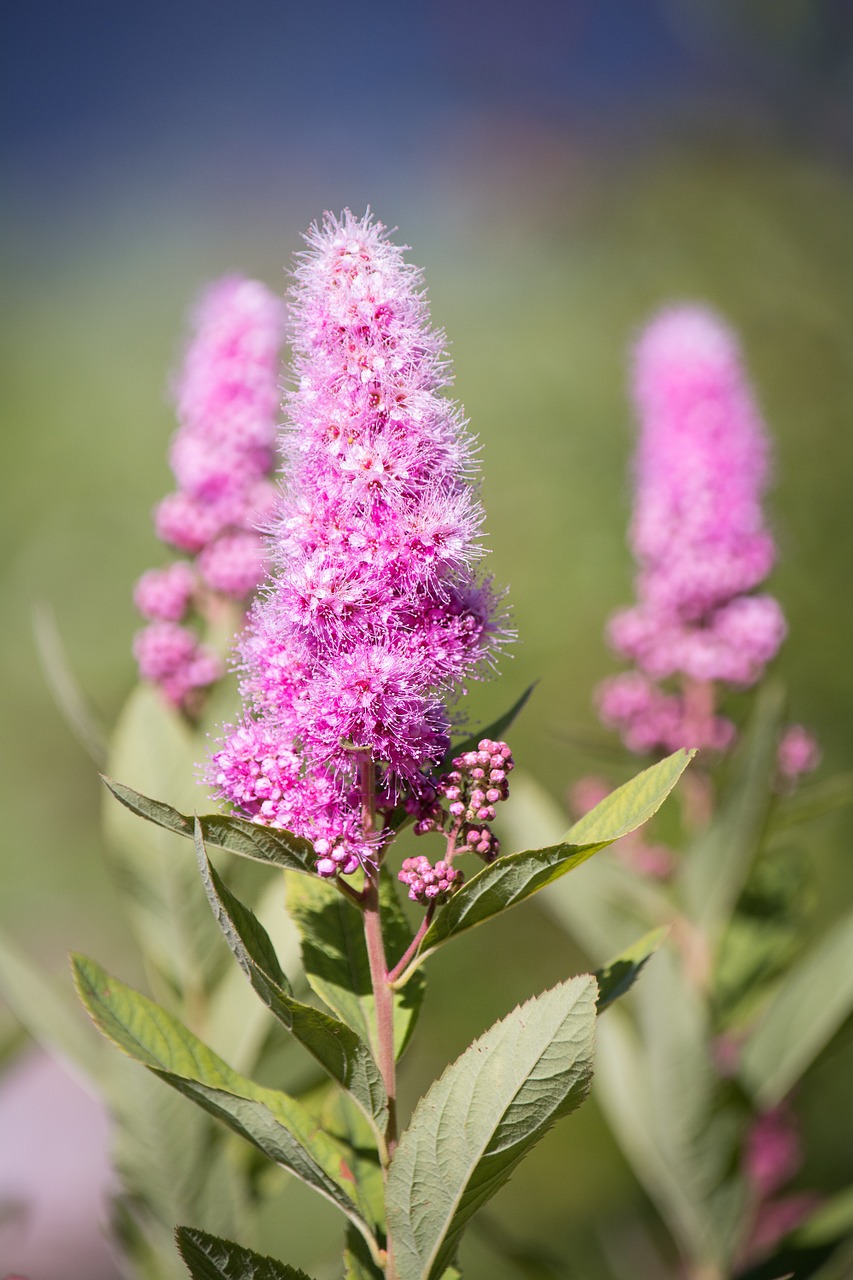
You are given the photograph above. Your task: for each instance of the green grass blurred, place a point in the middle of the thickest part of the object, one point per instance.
(540, 296)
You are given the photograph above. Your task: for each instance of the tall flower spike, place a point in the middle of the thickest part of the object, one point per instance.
(222, 455)
(374, 613)
(698, 536)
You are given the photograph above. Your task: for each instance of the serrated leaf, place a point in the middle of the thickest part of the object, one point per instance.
(172, 1162)
(47, 1013)
(210, 1258)
(716, 867)
(236, 1027)
(495, 731)
(482, 1117)
(603, 909)
(632, 804)
(275, 1123)
(517, 876)
(809, 1005)
(246, 839)
(335, 1046)
(334, 954)
(619, 976)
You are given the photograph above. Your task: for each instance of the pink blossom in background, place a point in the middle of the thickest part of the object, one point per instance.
(375, 611)
(772, 1156)
(222, 457)
(799, 752)
(773, 1152)
(699, 538)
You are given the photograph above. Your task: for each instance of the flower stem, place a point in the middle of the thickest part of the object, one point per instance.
(410, 951)
(382, 994)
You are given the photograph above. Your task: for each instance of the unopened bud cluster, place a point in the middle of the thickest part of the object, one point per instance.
(477, 782)
(428, 883)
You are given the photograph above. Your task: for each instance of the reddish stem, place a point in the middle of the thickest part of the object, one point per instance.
(411, 950)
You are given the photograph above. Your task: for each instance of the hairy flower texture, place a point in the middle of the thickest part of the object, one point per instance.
(698, 535)
(374, 614)
(222, 455)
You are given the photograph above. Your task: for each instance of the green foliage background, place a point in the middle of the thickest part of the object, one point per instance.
(540, 269)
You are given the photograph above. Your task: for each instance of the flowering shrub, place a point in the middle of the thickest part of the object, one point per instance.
(373, 616)
(349, 773)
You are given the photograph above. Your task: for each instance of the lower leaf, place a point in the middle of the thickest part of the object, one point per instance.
(481, 1118)
(209, 1258)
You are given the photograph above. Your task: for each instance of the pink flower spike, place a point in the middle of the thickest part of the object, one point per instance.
(374, 611)
(698, 536)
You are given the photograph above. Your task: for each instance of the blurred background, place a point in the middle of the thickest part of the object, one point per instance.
(560, 169)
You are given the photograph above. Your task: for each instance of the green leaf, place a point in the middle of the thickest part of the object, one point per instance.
(619, 976)
(275, 1123)
(246, 839)
(482, 1117)
(236, 1026)
(209, 1258)
(334, 954)
(335, 1046)
(659, 1092)
(358, 1264)
(624, 1093)
(603, 909)
(172, 1161)
(808, 1007)
(515, 877)
(47, 1013)
(630, 805)
(716, 867)
(495, 731)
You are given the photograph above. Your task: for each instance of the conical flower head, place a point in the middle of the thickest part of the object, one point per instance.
(698, 535)
(374, 612)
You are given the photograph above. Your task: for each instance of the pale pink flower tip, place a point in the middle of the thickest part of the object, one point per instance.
(773, 1152)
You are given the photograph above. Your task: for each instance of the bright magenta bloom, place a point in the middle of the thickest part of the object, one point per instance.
(374, 613)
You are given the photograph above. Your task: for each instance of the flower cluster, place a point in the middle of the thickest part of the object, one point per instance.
(428, 883)
(374, 613)
(221, 455)
(698, 536)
